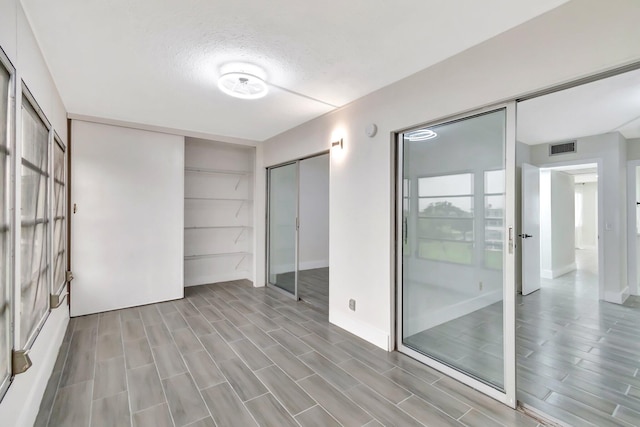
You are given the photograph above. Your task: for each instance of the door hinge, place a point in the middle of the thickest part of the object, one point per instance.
(20, 361)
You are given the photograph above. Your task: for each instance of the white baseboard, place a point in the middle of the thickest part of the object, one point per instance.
(617, 297)
(451, 312)
(310, 265)
(360, 329)
(216, 278)
(20, 405)
(557, 272)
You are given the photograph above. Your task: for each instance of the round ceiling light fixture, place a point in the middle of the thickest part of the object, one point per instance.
(243, 85)
(420, 135)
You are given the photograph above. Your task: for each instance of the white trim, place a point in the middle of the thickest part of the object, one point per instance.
(438, 316)
(557, 272)
(21, 403)
(162, 129)
(363, 330)
(617, 297)
(632, 246)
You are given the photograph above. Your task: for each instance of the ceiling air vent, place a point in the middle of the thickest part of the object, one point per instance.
(562, 148)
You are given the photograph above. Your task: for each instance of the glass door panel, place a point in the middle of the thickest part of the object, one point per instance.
(453, 186)
(283, 233)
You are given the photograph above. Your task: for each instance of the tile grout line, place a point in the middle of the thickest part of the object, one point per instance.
(186, 365)
(153, 356)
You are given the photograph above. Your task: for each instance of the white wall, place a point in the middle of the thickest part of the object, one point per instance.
(20, 405)
(314, 213)
(609, 151)
(127, 235)
(587, 233)
(557, 219)
(595, 35)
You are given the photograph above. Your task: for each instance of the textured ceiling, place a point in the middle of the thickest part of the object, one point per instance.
(156, 62)
(603, 106)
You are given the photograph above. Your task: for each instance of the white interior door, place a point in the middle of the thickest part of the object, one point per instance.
(127, 217)
(530, 237)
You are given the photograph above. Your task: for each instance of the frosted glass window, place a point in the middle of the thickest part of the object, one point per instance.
(5, 235)
(59, 219)
(34, 274)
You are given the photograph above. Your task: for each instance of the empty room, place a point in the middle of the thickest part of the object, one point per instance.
(335, 214)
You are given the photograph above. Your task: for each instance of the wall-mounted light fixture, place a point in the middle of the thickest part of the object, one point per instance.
(337, 143)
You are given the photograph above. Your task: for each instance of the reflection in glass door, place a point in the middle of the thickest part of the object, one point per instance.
(283, 228)
(456, 303)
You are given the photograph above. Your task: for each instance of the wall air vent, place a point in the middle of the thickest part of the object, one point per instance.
(562, 148)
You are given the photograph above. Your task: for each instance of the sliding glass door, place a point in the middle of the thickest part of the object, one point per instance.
(283, 228)
(456, 262)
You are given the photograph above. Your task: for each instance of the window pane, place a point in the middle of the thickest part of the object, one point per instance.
(447, 185)
(59, 224)
(34, 274)
(494, 207)
(494, 181)
(457, 207)
(446, 229)
(437, 250)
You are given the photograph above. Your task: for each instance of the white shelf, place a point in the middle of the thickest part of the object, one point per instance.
(226, 254)
(218, 199)
(217, 171)
(208, 227)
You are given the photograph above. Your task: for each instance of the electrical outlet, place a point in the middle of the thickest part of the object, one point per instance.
(480, 286)
(352, 304)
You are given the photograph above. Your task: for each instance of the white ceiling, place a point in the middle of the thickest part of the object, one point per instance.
(156, 62)
(603, 106)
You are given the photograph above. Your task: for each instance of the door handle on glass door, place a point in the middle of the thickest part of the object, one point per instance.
(75, 208)
(525, 236)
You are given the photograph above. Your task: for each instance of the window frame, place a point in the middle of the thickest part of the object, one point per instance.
(9, 212)
(26, 94)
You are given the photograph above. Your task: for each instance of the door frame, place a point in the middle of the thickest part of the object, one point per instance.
(267, 200)
(597, 161)
(508, 396)
(297, 233)
(632, 247)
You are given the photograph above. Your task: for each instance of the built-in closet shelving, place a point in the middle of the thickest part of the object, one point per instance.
(218, 207)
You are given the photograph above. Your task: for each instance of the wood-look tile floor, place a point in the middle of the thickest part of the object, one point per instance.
(313, 287)
(577, 357)
(233, 355)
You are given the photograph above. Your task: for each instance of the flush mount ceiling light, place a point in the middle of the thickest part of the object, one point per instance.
(420, 135)
(243, 85)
